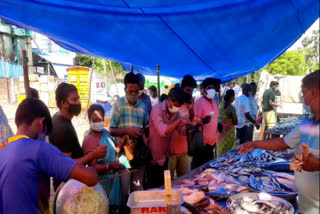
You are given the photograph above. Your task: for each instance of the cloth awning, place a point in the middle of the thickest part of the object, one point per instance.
(204, 38)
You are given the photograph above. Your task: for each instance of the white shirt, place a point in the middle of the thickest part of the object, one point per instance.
(307, 183)
(253, 107)
(242, 106)
(154, 101)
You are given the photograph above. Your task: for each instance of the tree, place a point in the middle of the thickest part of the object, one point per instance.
(311, 48)
(289, 63)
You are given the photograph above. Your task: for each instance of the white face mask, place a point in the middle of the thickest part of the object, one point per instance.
(98, 127)
(174, 109)
(211, 93)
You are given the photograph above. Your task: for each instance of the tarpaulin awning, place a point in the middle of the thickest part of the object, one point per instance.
(204, 38)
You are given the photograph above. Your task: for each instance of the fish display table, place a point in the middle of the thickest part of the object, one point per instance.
(214, 183)
(285, 126)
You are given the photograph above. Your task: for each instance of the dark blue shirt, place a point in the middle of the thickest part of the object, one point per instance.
(21, 164)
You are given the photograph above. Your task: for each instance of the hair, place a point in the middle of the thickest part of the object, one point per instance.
(177, 95)
(228, 96)
(246, 86)
(273, 83)
(153, 89)
(141, 77)
(188, 80)
(253, 84)
(95, 107)
(131, 78)
(63, 91)
(33, 93)
(211, 81)
(311, 80)
(177, 85)
(29, 110)
(163, 97)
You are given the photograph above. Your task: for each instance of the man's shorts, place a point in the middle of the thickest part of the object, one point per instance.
(269, 119)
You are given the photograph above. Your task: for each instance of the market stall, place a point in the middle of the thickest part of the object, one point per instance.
(232, 174)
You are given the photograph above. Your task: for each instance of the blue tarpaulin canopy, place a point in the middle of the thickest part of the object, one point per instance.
(205, 38)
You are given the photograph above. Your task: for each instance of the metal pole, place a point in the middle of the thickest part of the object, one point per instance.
(90, 79)
(131, 68)
(158, 80)
(105, 75)
(114, 78)
(25, 73)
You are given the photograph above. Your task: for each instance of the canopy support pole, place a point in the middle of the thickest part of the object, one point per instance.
(114, 78)
(90, 79)
(25, 73)
(158, 80)
(105, 76)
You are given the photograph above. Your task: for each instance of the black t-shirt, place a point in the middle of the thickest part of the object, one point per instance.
(64, 136)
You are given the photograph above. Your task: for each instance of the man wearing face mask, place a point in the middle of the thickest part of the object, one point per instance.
(307, 181)
(25, 158)
(166, 124)
(242, 105)
(206, 108)
(269, 108)
(143, 96)
(130, 118)
(63, 134)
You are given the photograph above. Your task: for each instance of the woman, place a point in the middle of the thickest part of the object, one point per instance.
(229, 120)
(153, 95)
(107, 166)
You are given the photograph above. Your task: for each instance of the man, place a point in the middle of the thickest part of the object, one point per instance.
(26, 157)
(130, 118)
(143, 96)
(166, 125)
(253, 108)
(307, 181)
(236, 88)
(207, 110)
(178, 161)
(242, 105)
(269, 108)
(63, 134)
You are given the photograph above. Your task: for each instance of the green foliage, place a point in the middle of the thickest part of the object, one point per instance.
(87, 61)
(311, 48)
(289, 63)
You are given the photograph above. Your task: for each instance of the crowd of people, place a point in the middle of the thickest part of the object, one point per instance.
(147, 135)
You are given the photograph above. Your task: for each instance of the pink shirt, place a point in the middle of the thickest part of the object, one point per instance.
(159, 142)
(203, 108)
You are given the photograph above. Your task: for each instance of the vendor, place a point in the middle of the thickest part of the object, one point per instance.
(307, 181)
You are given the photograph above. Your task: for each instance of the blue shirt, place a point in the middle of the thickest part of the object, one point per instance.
(21, 164)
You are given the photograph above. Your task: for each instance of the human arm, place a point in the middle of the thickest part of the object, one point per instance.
(55, 164)
(99, 152)
(311, 163)
(275, 144)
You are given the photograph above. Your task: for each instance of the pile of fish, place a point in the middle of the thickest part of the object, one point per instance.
(259, 203)
(285, 126)
(273, 184)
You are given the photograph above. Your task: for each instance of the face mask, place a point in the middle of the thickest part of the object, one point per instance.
(141, 92)
(98, 127)
(132, 98)
(74, 109)
(211, 93)
(306, 107)
(174, 109)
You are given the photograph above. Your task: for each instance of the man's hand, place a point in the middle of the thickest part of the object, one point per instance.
(115, 165)
(134, 132)
(101, 151)
(310, 163)
(246, 148)
(206, 119)
(257, 126)
(185, 121)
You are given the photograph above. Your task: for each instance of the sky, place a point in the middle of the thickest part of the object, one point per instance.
(297, 44)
